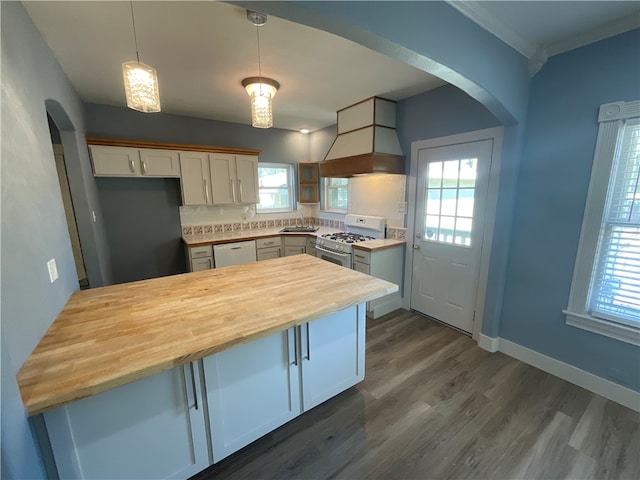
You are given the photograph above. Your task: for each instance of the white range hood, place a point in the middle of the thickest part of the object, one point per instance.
(366, 142)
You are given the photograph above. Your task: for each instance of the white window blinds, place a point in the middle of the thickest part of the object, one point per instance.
(615, 285)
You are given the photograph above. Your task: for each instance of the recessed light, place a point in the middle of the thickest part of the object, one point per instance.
(304, 130)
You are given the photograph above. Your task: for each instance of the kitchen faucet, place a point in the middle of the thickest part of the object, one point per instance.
(301, 220)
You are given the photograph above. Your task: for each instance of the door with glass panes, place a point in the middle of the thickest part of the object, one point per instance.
(451, 196)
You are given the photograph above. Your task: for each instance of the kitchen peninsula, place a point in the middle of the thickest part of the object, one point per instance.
(160, 378)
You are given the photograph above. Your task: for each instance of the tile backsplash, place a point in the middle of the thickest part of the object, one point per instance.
(259, 225)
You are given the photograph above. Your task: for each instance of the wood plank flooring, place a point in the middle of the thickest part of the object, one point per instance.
(434, 405)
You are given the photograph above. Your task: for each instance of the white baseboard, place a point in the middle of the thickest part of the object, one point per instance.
(488, 343)
(601, 386)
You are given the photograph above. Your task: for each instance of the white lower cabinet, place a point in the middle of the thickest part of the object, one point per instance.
(256, 387)
(199, 258)
(176, 423)
(251, 389)
(270, 247)
(294, 245)
(332, 351)
(149, 429)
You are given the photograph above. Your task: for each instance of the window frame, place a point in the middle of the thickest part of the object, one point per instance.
(611, 118)
(290, 187)
(325, 196)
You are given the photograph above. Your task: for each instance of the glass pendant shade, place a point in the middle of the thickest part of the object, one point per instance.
(261, 91)
(141, 87)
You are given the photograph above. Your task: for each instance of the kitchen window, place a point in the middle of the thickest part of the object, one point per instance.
(336, 194)
(605, 292)
(275, 182)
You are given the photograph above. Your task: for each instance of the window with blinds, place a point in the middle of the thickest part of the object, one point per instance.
(605, 290)
(615, 286)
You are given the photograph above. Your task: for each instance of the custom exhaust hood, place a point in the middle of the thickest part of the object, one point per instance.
(366, 142)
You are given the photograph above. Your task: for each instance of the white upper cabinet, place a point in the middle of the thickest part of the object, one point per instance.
(223, 178)
(159, 163)
(207, 178)
(234, 178)
(134, 162)
(196, 179)
(115, 161)
(247, 178)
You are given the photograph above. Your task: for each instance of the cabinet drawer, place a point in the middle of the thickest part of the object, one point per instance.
(361, 267)
(361, 256)
(199, 252)
(268, 242)
(298, 241)
(267, 253)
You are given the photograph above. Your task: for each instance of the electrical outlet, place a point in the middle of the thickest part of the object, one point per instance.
(53, 270)
(402, 207)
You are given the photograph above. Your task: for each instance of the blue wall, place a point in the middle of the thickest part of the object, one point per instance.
(34, 227)
(276, 145)
(437, 113)
(551, 192)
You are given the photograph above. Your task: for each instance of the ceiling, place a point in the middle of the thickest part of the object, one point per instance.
(202, 50)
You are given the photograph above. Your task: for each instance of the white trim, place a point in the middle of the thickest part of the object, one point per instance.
(615, 330)
(487, 343)
(598, 385)
(610, 117)
(477, 13)
(495, 134)
(618, 111)
(615, 27)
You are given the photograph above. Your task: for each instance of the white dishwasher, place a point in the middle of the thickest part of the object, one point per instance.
(234, 253)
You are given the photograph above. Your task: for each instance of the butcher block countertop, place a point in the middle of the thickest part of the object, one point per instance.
(109, 336)
(382, 244)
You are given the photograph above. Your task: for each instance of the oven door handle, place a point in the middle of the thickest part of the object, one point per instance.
(332, 252)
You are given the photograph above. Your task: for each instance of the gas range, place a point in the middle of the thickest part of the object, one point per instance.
(337, 247)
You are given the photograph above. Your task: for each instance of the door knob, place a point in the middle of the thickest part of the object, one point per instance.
(418, 235)
(416, 247)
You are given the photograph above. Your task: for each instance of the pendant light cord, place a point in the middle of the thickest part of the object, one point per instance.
(259, 65)
(135, 37)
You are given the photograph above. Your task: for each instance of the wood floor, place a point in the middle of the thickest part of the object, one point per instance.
(434, 405)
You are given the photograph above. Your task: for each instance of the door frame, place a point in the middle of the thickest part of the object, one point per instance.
(496, 134)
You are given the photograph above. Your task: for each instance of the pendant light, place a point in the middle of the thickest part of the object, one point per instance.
(260, 89)
(140, 81)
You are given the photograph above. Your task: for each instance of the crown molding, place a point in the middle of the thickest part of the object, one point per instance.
(615, 27)
(478, 14)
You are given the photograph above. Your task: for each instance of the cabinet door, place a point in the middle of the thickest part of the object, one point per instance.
(159, 163)
(223, 178)
(247, 176)
(267, 253)
(251, 389)
(149, 429)
(289, 250)
(196, 179)
(115, 161)
(199, 264)
(332, 351)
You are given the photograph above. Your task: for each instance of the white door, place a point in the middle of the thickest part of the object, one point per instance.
(451, 195)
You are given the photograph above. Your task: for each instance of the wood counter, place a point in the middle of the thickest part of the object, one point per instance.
(109, 336)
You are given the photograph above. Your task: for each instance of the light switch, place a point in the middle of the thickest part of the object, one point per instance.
(53, 270)
(402, 207)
